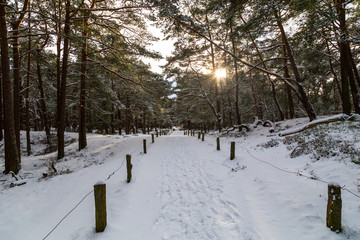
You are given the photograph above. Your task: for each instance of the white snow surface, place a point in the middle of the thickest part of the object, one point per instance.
(181, 189)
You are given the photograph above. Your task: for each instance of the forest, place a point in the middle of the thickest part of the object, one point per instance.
(77, 66)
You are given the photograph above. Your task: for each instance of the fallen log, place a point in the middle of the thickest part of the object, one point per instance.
(335, 118)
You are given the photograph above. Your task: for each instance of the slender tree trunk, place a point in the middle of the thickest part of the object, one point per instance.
(16, 82)
(290, 102)
(12, 159)
(352, 74)
(42, 96)
(127, 115)
(236, 75)
(28, 146)
(1, 107)
(218, 112)
(346, 104)
(58, 15)
(112, 124)
(336, 80)
(61, 106)
(353, 65)
(144, 123)
(303, 96)
(82, 110)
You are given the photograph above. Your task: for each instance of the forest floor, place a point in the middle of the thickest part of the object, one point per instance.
(183, 188)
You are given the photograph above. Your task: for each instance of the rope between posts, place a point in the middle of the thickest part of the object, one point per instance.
(296, 173)
(110, 175)
(68, 214)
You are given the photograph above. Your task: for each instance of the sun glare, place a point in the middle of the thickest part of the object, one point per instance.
(220, 73)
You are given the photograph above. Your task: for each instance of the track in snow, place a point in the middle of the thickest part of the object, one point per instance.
(193, 204)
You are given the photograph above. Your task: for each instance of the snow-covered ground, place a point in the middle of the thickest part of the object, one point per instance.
(184, 189)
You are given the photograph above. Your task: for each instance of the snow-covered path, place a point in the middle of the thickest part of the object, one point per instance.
(193, 203)
(178, 193)
(182, 189)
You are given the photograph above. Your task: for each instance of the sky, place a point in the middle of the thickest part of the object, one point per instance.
(165, 47)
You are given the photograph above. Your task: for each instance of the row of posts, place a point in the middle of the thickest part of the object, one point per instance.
(334, 205)
(100, 189)
(333, 211)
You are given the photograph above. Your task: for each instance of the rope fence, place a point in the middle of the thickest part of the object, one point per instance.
(87, 194)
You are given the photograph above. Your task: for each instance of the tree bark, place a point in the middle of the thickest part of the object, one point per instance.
(127, 115)
(42, 96)
(62, 97)
(27, 117)
(1, 107)
(346, 104)
(236, 75)
(212, 54)
(352, 74)
(12, 159)
(290, 102)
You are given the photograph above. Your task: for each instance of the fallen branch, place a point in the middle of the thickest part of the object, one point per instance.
(336, 118)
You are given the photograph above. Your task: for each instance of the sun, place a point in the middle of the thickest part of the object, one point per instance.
(220, 73)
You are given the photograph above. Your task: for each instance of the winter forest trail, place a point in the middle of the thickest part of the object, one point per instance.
(193, 203)
(184, 192)
(182, 189)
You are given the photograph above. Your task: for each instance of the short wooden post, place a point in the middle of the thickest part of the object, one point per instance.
(152, 138)
(218, 143)
(128, 167)
(144, 145)
(334, 205)
(199, 135)
(232, 151)
(203, 137)
(100, 206)
(157, 133)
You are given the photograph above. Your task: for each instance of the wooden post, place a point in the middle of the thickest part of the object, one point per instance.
(160, 132)
(203, 137)
(100, 206)
(157, 133)
(232, 151)
(152, 138)
(184, 132)
(218, 143)
(199, 135)
(144, 145)
(334, 205)
(128, 167)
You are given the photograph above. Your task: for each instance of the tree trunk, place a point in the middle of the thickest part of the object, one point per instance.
(290, 102)
(336, 80)
(303, 96)
(212, 54)
(16, 82)
(144, 123)
(352, 73)
(346, 104)
(42, 96)
(12, 159)
(82, 110)
(27, 118)
(236, 75)
(62, 97)
(1, 107)
(127, 115)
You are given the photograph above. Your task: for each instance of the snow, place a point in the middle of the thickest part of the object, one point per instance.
(183, 188)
